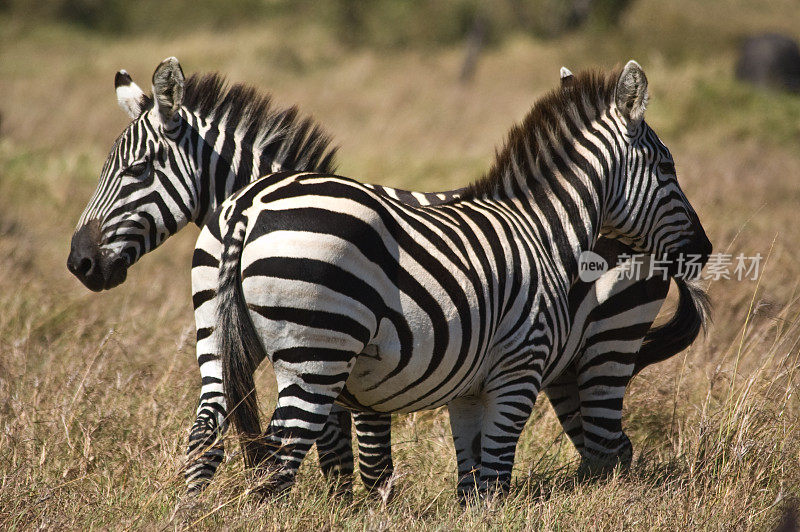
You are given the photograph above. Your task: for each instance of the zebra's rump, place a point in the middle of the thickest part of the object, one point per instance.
(336, 275)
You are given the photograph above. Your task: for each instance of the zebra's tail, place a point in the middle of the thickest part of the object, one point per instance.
(240, 348)
(693, 313)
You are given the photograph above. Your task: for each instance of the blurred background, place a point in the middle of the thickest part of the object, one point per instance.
(97, 390)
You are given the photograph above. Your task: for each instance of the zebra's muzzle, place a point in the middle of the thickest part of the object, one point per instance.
(98, 269)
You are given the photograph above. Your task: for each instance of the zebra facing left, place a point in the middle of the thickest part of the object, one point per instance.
(180, 157)
(186, 150)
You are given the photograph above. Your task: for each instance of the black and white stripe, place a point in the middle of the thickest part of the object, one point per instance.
(363, 300)
(184, 171)
(188, 148)
(610, 340)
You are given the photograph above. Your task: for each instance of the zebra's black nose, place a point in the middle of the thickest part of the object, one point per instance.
(80, 267)
(84, 257)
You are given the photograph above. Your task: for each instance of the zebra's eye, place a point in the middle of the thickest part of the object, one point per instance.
(666, 168)
(136, 170)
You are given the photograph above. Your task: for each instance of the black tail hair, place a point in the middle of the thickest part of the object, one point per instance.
(240, 347)
(693, 313)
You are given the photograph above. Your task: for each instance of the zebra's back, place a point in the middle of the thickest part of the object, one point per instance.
(415, 300)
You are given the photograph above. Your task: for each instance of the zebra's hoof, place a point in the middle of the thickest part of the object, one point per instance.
(188, 509)
(269, 484)
(341, 490)
(483, 497)
(270, 494)
(470, 501)
(598, 468)
(595, 466)
(383, 489)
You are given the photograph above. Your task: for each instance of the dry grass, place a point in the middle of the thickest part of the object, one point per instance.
(97, 391)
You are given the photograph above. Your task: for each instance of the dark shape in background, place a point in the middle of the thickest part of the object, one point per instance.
(770, 60)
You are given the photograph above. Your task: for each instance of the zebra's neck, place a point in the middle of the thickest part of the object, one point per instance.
(223, 164)
(228, 158)
(562, 184)
(234, 136)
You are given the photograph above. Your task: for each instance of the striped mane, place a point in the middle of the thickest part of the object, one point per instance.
(297, 142)
(588, 95)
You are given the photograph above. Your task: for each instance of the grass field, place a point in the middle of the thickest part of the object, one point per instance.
(97, 391)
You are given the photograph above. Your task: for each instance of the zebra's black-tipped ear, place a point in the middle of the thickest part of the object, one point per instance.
(168, 82)
(631, 94)
(566, 76)
(129, 96)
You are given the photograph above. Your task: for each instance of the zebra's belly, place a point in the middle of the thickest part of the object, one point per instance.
(402, 364)
(391, 375)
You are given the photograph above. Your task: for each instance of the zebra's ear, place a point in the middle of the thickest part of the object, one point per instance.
(566, 76)
(631, 96)
(168, 84)
(129, 96)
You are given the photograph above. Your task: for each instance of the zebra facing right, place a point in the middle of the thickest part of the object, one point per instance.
(359, 299)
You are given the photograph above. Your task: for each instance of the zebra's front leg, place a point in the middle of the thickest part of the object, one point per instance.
(335, 450)
(602, 381)
(206, 450)
(564, 395)
(466, 418)
(374, 432)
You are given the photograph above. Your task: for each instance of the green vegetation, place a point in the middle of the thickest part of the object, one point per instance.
(97, 391)
(383, 23)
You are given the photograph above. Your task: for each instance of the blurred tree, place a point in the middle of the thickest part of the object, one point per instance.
(375, 23)
(423, 23)
(475, 41)
(121, 16)
(104, 15)
(551, 18)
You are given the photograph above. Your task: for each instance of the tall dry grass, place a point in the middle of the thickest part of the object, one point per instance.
(97, 391)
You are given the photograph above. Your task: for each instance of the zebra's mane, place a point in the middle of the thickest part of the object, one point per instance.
(588, 95)
(294, 142)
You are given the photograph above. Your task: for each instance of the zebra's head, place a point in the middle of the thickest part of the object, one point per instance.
(188, 147)
(646, 207)
(137, 203)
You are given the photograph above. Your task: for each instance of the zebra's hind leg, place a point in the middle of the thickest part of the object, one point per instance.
(335, 450)
(602, 380)
(305, 401)
(509, 404)
(564, 395)
(466, 418)
(374, 432)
